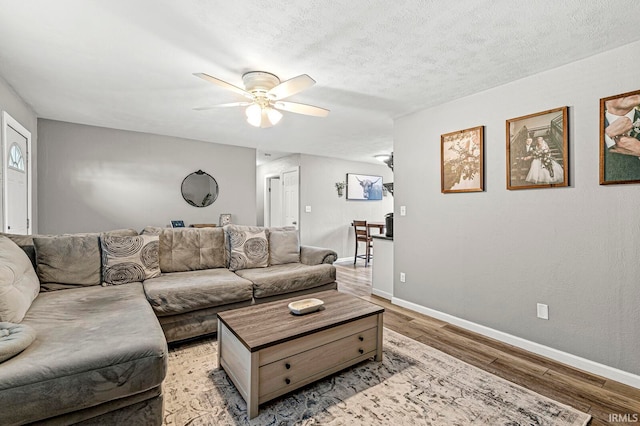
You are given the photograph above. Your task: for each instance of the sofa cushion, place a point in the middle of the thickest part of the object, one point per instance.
(180, 292)
(280, 279)
(248, 246)
(72, 260)
(191, 249)
(284, 246)
(26, 241)
(95, 344)
(19, 284)
(129, 259)
(14, 338)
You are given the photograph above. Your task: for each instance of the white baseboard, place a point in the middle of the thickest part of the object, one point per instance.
(344, 259)
(383, 294)
(555, 354)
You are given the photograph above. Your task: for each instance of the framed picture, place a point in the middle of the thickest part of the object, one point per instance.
(462, 160)
(537, 147)
(364, 187)
(177, 223)
(620, 139)
(225, 219)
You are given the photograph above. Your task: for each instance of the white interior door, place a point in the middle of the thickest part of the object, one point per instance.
(275, 202)
(290, 197)
(17, 172)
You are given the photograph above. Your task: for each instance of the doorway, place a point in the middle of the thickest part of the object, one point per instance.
(17, 182)
(291, 197)
(273, 207)
(282, 199)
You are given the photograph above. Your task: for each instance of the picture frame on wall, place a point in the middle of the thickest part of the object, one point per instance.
(225, 219)
(537, 150)
(364, 187)
(620, 139)
(462, 161)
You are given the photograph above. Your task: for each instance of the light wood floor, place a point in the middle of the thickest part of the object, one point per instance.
(604, 399)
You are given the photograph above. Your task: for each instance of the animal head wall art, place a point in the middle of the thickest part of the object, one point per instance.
(364, 187)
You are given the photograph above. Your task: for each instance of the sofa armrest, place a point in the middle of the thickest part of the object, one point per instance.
(310, 255)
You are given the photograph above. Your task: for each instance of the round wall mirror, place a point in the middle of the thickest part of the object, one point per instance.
(199, 189)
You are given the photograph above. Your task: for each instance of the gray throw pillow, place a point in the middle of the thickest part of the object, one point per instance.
(248, 246)
(68, 259)
(284, 247)
(19, 284)
(129, 259)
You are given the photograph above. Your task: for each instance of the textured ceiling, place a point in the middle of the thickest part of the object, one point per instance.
(128, 64)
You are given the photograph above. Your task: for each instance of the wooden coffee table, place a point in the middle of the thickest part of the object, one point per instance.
(267, 351)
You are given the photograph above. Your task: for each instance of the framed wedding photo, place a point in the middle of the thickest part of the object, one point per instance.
(620, 139)
(462, 161)
(537, 150)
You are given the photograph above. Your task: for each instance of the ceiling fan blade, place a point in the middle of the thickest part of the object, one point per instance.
(224, 84)
(291, 87)
(301, 108)
(232, 104)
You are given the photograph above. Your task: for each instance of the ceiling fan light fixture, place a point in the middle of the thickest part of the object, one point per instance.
(274, 115)
(254, 115)
(265, 92)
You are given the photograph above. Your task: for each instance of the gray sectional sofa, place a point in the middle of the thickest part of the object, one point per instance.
(104, 306)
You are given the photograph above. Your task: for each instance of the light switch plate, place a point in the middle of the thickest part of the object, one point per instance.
(307, 209)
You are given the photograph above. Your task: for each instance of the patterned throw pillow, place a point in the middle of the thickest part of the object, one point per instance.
(249, 247)
(129, 259)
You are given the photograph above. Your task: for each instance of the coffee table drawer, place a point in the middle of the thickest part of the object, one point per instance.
(301, 344)
(298, 369)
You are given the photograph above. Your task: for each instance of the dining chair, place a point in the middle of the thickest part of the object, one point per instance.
(362, 236)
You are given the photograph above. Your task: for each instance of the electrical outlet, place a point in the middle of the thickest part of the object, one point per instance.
(403, 277)
(403, 210)
(543, 311)
(307, 209)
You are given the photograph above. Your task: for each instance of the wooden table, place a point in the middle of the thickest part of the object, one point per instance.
(372, 225)
(267, 351)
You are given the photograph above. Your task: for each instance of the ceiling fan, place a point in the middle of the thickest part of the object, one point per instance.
(265, 92)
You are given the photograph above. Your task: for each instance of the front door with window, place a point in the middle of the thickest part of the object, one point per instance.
(17, 209)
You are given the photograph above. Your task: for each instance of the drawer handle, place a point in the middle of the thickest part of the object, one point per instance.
(361, 338)
(287, 366)
(361, 351)
(287, 381)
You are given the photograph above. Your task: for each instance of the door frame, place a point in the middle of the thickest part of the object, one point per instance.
(267, 219)
(8, 121)
(282, 173)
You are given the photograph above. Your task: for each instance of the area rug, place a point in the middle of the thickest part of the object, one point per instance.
(415, 384)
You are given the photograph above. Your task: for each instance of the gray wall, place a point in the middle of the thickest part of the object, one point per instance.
(17, 108)
(490, 257)
(95, 179)
(328, 224)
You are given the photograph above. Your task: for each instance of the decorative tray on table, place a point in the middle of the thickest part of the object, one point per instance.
(305, 306)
